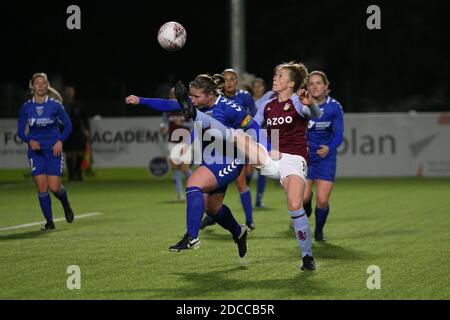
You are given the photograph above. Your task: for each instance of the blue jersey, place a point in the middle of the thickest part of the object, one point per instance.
(326, 130)
(244, 99)
(44, 121)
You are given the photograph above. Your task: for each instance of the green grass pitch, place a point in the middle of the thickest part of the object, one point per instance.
(400, 225)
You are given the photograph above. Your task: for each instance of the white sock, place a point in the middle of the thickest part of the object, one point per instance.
(302, 231)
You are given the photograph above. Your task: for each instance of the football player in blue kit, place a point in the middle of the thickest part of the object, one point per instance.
(325, 135)
(206, 187)
(245, 100)
(43, 115)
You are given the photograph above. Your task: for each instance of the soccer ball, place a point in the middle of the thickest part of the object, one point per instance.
(172, 36)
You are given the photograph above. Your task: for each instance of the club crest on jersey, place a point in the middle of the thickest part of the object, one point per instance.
(40, 110)
(286, 107)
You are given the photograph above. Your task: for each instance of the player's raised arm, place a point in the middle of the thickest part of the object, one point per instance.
(310, 108)
(163, 105)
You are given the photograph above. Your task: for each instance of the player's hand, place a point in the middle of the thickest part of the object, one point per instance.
(57, 148)
(132, 100)
(34, 145)
(323, 151)
(275, 155)
(305, 97)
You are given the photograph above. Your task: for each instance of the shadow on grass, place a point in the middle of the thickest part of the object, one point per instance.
(174, 201)
(213, 284)
(375, 234)
(327, 250)
(263, 208)
(25, 235)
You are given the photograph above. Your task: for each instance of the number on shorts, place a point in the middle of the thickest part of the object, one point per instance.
(305, 168)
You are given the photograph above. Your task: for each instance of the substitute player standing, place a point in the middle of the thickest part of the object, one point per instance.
(43, 115)
(325, 135)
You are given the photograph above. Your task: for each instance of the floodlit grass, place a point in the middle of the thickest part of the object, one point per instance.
(400, 225)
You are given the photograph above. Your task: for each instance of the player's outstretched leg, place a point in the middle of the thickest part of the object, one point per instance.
(182, 96)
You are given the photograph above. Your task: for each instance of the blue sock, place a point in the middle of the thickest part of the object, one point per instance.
(321, 218)
(46, 205)
(248, 177)
(302, 231)
(62, 196)
(194, 210)
(226, 220)
(246, 200)
(260, 189)
(176, 176)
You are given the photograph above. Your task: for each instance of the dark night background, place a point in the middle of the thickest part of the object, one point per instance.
(404, 66)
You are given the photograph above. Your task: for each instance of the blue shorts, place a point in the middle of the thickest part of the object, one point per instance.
(225, 174)
(322, 170)
(44, 162)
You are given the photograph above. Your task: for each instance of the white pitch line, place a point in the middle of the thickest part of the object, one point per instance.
(81, 216)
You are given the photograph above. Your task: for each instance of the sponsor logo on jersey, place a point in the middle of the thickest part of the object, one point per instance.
(322, 125)
(40, 122)
(279, 121)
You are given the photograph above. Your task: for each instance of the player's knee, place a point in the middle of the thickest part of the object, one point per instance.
(195, 181)
(55, 189)
(322, 202)
(294, 204)
(212, 209)
(43, 188)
